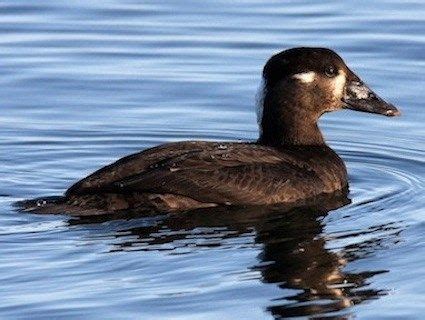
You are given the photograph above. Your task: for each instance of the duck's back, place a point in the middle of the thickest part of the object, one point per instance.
(187, 175)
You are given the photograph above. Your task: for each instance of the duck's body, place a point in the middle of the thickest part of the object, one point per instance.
(289, 163)
(187, 175)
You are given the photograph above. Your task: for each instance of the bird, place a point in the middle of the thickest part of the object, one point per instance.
(290, 162)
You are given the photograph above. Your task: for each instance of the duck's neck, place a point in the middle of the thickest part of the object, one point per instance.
(285, 123)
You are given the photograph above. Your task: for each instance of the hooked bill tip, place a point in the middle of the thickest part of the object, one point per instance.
(393, 113)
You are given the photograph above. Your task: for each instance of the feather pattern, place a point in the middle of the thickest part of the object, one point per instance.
(211, 173)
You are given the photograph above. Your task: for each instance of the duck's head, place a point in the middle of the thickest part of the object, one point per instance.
(300, 85)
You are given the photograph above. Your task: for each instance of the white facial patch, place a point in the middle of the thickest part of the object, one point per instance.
(339, 84)
(305, 77)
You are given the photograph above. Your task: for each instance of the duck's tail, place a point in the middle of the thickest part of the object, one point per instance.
(56, 205)
(41, 205)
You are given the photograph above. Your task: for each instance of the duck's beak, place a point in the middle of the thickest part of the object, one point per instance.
(358, 96)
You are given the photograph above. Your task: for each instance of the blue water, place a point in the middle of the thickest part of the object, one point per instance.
(86, 82)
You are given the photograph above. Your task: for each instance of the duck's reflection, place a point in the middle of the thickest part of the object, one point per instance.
(294, 253)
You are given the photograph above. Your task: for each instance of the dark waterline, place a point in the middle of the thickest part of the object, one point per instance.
(85, 83)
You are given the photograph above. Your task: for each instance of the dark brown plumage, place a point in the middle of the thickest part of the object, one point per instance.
(289, 163)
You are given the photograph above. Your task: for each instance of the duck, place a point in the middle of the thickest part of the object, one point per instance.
(288, 164)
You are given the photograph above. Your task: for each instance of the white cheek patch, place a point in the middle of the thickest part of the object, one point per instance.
(305, 77)
(339, 84)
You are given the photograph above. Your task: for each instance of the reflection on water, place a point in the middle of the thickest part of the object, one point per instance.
(293, 253)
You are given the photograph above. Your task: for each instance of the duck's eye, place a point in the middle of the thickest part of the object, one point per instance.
(331, 71)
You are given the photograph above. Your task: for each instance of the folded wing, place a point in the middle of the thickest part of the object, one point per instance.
(233, 173)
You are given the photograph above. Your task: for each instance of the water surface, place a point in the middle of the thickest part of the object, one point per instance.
(86, 82)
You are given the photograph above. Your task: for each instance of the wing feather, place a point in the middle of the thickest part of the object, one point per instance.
(236, 173)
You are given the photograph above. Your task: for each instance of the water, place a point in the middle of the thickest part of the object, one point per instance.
(87, 82)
